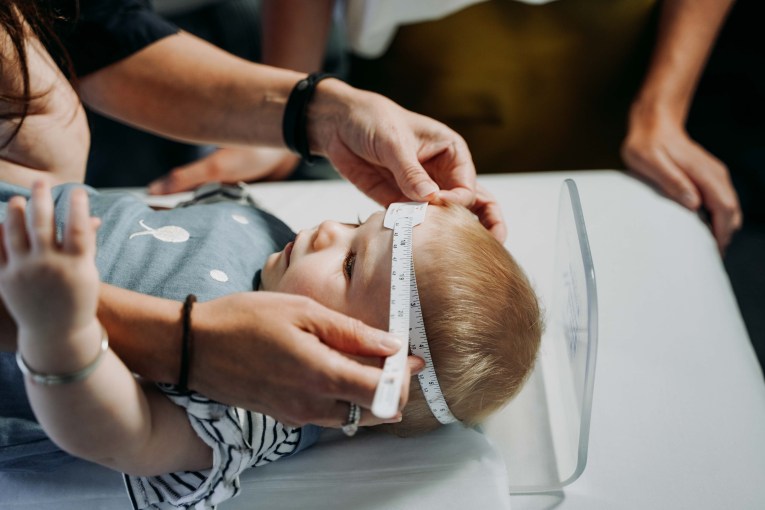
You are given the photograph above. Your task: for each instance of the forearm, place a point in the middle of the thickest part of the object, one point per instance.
(187, 89)
(687, 31)
(144, 331)
(295, 33)
(108, 417)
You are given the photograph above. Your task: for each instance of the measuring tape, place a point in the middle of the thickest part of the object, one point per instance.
(405, 320)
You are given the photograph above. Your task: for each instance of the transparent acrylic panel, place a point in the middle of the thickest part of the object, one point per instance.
(544, 433)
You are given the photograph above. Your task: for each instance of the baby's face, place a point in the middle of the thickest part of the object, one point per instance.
(343, 266)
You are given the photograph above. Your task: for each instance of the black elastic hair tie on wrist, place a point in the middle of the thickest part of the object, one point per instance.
(183, 376)
(294, 124)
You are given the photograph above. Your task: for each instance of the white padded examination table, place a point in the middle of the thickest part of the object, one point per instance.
(678, 417)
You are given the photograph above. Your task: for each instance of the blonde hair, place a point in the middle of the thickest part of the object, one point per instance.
(482, 319)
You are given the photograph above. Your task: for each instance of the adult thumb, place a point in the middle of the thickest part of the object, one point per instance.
(415, 183)
(411, 177)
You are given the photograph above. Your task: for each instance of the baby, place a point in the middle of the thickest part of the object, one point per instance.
(481, 316)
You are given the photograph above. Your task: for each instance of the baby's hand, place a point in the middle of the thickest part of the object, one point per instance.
(50, 288)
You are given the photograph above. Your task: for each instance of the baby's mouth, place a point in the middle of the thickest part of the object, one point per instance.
(288, 252)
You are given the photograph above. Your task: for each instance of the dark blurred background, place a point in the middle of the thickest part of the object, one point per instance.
(728, 118)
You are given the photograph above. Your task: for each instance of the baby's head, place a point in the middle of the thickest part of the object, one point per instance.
(481, 315)
(482, 319)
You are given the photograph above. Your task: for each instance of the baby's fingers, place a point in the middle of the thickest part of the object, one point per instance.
(80, 231)
(42, 231)
(15, 240)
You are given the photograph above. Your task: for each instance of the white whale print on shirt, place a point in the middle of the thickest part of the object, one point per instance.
(168, 234)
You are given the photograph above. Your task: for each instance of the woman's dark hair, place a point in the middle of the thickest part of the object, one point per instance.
(21, 19)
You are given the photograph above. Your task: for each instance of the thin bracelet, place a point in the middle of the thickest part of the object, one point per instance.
(295, 124)
(183, 376)
(57, 379)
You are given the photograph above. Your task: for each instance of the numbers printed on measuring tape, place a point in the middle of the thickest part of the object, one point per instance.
(406, 321)
(400, 217)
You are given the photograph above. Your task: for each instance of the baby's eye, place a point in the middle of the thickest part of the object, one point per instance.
(350, 260)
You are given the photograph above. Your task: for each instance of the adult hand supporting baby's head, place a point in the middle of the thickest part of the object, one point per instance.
(392, 154)
(285, 356)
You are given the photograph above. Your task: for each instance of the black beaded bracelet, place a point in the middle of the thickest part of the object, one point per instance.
(294, 124)
(183, 376)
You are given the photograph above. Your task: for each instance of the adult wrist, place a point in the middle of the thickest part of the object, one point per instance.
(660, 103)
(295, 119)
(143, 331)
(331, 105)
(202, 365)
(187, 336)
(655, 112)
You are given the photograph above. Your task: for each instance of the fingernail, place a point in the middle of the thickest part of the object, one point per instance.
(155, 187)
(395, 419)
(688, 199)
(425, 188)
(391, 342)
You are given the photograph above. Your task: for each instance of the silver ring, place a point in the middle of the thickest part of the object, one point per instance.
(354, 416)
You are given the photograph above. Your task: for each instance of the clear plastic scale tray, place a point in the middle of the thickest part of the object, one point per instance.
(543, 434)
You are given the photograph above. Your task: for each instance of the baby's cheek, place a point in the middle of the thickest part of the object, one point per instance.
(372, 310)
(298, 286)
(312, 289)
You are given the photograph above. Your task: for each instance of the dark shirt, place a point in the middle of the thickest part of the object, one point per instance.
(103, 32)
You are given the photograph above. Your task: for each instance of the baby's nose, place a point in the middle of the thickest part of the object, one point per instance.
(326, 234)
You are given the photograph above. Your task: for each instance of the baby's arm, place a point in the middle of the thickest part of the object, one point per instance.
(51, 290)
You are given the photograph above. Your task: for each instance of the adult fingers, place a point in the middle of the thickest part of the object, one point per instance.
(656, 165)
(450, 165)
(373, 180)
(491, 218)
(340, 412)
(184, 178)
(335, 375)
(15, 236)
(483, 205)
(229, 164)
(345, 379)
(79, 233)
(416, 364)
(40, 226)
(358, 383)
(401, 158)
(458, 195)
(414, 181)
(488, 211)
(367, 417)
(348, 335)
(725, 223)
(214, 167)
(719, 196)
